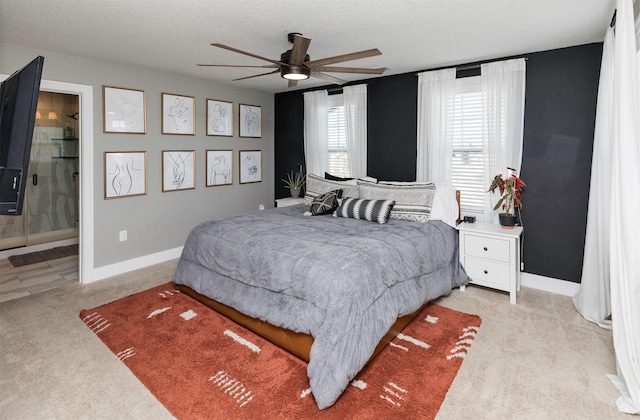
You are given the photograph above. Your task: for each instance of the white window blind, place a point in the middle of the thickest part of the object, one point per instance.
(338, 162)
(468, 154)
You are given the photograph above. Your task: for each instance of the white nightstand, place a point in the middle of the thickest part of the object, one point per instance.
(491, 255)
(289, 201)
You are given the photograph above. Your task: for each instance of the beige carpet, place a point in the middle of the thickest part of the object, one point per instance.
(535, 360)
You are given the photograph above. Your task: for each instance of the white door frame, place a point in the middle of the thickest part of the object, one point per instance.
(85, 120)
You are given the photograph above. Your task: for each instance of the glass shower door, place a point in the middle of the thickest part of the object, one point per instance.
(52, 188)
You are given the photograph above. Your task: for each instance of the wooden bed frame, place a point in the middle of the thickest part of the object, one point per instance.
(298, 344)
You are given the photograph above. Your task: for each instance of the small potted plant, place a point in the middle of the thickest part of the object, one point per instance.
(294, 181)
(510, 188)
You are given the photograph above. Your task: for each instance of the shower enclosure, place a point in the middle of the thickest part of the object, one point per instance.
(52, 197)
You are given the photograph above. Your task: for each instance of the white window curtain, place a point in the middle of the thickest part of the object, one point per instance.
(436, 90)
(355, 110)
(316, 104)
(503, 92)
(593, 300)
(618, 171)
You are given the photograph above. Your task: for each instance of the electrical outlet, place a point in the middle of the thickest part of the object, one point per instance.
(123, 235)
(261, 207)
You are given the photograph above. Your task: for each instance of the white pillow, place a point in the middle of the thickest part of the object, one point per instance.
(445, 205)
(317, 185)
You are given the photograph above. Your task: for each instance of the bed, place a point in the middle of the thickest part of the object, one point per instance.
(331, 290)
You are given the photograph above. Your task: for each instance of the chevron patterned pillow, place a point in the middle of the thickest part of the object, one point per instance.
(325, 203)
(371, 210)
(413, 200)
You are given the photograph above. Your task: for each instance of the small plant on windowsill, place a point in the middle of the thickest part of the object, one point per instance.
(295, 182)
(510, 188)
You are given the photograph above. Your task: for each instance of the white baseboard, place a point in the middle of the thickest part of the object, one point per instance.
(549, 284)
(136, 263)
(533, 281)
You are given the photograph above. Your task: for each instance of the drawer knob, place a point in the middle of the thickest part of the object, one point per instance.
(486, 272)
(486, 249)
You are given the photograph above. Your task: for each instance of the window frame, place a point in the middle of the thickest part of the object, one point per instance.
(336, 102)
(469, 181)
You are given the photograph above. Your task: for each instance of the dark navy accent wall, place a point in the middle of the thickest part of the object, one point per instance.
(562, 88)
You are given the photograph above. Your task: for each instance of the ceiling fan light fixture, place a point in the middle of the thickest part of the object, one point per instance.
(292, 72)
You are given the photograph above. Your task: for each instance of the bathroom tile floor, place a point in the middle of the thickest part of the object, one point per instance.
(16, 282)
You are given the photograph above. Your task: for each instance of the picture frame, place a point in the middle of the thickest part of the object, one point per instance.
(125, 174)
(250, 166)
(219, 167)
(250, 123)
(178, 114)
(124, 110)
(219, 118)
(178, 170)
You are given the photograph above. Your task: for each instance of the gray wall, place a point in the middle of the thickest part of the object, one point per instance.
(158, 221)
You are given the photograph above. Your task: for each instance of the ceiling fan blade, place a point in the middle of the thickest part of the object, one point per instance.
(226, 47)
(256, 75)
(344, 57)
(299, 51)
(328, 78)
(293, 83)
(268, 66)
(337, 69)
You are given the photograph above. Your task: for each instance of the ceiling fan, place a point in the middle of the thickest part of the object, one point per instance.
(295, 64)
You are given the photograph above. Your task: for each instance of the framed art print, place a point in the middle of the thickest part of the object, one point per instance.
(125, 174)
(219, 118)
(219, 167)
(178, 170)
(250, 120)
(124, 110)
(250, 166)
(178, 114)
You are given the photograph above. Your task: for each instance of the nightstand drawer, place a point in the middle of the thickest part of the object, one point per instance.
(485, 272)
(480, 246)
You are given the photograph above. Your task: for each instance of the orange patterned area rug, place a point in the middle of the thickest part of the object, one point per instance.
(201, 365)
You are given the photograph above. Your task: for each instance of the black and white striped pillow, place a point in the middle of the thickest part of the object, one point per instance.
(359, 208)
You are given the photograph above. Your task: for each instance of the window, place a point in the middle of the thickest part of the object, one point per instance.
(468, 155)
(338, 162)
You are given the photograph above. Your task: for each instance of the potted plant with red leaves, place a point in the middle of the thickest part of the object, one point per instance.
(510, 188)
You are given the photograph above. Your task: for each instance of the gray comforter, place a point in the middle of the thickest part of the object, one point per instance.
(344, 281)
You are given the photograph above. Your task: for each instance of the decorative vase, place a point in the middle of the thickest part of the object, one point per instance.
(507, 221)
(295, 192)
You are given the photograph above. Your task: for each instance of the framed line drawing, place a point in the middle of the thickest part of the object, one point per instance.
(124, 110)
(178, 170)
(250, 166)
(178, 114)
(219, 118)
(125, 174)
(250, 120)
(219, 167)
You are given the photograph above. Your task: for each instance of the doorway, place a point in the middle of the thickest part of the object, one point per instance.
(51, 208)
(83, 225)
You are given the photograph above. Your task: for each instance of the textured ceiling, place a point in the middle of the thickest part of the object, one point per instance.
(173, 36)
